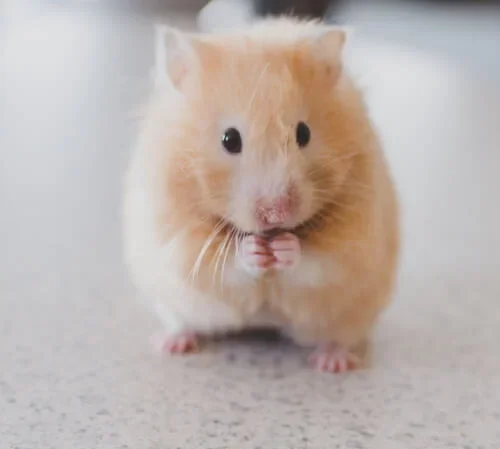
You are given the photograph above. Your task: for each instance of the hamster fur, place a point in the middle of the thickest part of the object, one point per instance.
(196, 237)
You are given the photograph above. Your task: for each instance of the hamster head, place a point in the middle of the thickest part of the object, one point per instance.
(257, 129)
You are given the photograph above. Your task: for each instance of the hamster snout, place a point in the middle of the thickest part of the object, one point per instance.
(275, 211)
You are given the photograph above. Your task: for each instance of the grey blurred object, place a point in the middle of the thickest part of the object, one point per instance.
(301, 8)
(219, 15)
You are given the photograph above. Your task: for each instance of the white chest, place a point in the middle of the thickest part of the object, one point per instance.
(312, 270)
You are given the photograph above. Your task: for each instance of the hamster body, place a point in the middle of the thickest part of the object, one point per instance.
(258, 193)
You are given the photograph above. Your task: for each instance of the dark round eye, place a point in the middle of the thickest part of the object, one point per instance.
(231, 140)
(303, 134)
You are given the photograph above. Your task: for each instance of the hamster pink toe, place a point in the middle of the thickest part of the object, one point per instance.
(334, 359)
(254, 253)
(175, 344)
(286, 250)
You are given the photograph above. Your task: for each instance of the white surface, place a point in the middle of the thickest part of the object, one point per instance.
(76, 369)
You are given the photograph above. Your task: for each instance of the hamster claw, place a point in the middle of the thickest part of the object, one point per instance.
(175, 344)
(334, 359)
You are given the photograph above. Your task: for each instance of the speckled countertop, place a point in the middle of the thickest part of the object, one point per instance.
(76, 370)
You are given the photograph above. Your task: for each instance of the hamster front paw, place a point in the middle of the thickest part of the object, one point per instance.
(286, 251)
(254, 254)
(257, 255)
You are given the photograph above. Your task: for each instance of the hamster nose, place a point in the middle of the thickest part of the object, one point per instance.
(276, 211)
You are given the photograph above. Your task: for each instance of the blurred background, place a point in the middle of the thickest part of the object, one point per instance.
(465, 31)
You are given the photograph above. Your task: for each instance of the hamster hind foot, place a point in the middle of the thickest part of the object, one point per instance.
(184, 343)
(334, 359)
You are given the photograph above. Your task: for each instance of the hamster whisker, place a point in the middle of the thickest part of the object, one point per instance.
(350, 190)
(327, 192)
(358, 184)
(343, 157)
(232, 235)
(326, 197)
(218, 257)
(208, 242)
(328, 213)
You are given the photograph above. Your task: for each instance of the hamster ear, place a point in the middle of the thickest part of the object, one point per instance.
(178, 55)
(327, 46)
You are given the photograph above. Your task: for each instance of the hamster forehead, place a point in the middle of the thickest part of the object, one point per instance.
(260, 91)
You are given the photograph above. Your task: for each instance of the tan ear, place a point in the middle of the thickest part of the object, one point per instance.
(328, 44)
(179, 55)
(185, 55)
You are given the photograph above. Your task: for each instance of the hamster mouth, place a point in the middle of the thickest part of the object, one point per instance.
(268, 233)
(311, 225)
(231, 227)
(314, 224)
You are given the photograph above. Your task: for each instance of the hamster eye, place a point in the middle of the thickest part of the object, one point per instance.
(302, 134)
(231, 141)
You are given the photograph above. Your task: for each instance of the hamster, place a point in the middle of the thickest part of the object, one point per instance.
(258, 194)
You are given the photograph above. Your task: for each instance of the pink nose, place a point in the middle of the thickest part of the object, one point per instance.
(276, 211)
